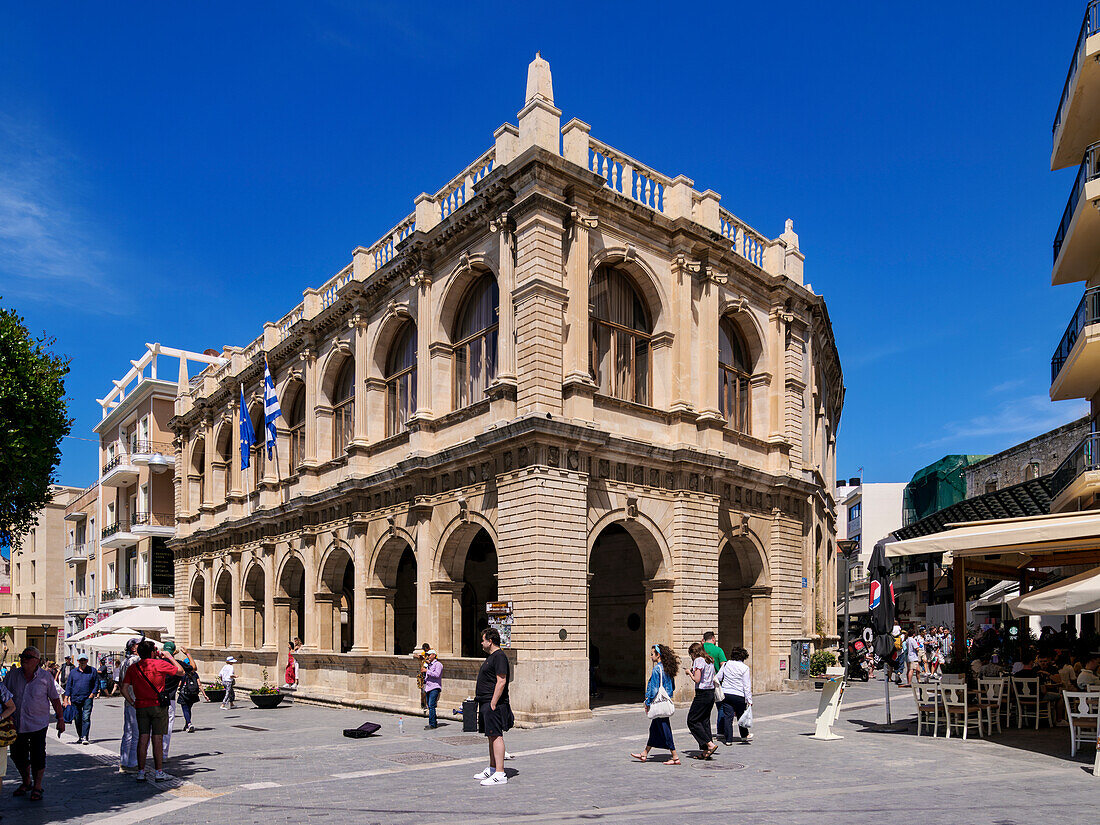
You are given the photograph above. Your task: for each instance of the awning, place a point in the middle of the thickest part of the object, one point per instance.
(93, 631)
(143, 619)
(1019, 535)
(1077, 594)
(998, 594)
(856, 606)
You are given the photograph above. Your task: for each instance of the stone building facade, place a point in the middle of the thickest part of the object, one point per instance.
(566, 381)
(1029, 459)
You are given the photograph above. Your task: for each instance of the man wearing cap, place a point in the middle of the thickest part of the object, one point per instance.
(227, 676)
(34, 691)
(80, 691)
(142, 687)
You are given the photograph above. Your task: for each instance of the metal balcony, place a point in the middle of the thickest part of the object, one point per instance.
(118, 534)
(120, 471)
(1087, 313)
(1076, 107)
(153, 524)
(1084, 458)
(1088, 170)
(158, 456)
(79, 604)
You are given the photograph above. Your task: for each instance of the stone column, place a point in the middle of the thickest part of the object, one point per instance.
(271, 637)
(659, 608)
(706, 354)
(577, 385)
(446, 626)
(358, 324)
(375, 394)
(361, 641)
(281, 619)
(683, 270)
(208, 466)
(379, 604)
(506, 337)
(542, 536)
(236, 482)
(422, 282)
(208, 605)
(309, 360)
(327, 627)
(757, 633)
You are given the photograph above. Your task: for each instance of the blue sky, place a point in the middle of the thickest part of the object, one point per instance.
(180, 173)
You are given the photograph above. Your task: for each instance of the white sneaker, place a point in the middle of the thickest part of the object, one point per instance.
(748, 739)
(509, 755)
(160, 776)
(485, 774)
(141, 776)
(495, 779)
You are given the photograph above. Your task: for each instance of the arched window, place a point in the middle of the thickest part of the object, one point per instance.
(619, 340)
(297, 429)
(401, 380)
(734, 377)
(475, 339)
(343, 408)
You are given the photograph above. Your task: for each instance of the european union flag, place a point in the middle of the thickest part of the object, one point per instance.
(248, 435)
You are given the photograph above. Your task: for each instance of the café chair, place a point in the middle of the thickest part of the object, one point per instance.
(960, 713)
(1082, 711)
(1030, 703)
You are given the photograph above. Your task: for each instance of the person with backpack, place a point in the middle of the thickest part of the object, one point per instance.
(143, 687)
(190, 690)
(171, 689)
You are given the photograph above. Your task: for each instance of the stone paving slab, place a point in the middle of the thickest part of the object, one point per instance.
(301, 769)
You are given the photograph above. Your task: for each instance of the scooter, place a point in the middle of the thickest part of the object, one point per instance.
(857, 661)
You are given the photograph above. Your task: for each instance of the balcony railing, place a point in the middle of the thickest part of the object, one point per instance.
(109, 595)
(80, 552)
(1089, 170)
(1089, 27)
(1084, 457)
(114, 462)
(78, 604)
(1088, 312)
(145, 591)
(154, 519)
(158, 447)
(118, 527)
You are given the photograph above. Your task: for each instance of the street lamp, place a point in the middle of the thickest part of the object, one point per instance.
(848, 548)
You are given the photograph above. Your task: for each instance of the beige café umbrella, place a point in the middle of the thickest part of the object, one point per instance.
(111, 642)
(96, 630)
(1077, 594)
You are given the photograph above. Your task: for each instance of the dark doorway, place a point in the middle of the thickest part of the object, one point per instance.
(479, 576)
(616, 617)
(404, 604)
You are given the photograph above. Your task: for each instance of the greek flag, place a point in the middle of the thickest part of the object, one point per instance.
(248, 435)
(271, 411)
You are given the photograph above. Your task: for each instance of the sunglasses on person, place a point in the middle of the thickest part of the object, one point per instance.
(28, 657)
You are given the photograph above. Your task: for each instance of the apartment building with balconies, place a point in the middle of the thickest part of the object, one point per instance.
(38, 580)
(116, 554)
(1075, 366)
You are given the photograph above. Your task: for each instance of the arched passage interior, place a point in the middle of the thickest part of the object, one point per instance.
(290, 601)
(195, 609)
(404, 604)
(743, 602)
(223, 609)
(479, 585)
(617, 613)
(336, 602)
(252, 607)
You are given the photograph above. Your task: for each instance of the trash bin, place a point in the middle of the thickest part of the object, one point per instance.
(469, 716)
(799, 666)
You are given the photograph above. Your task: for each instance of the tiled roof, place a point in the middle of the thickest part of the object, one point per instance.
(1031, 498)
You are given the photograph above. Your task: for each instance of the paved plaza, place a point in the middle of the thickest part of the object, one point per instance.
(292, 765)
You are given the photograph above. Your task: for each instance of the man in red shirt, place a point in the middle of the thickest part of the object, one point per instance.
(141, 687)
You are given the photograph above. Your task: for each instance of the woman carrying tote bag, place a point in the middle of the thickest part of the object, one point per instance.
(736, 682)
(658, 703)
(702, 673)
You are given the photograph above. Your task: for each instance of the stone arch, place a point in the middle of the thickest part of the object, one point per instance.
(453, 295)
(290, 598)
(331, 367)
(454, 542)
(223, 459)
(196, 608)
(744, 598)
(746, 323)
(378, 349)
(382, 565)
(630, 600)
(335, 598)
(656, 556)
(253, 605)
(223, 607)
(645, 280)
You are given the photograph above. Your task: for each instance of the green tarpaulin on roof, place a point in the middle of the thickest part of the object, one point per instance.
(937, 486)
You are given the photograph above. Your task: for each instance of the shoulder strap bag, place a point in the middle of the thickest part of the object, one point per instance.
(661, 707)
(164, 697)
(719, 694)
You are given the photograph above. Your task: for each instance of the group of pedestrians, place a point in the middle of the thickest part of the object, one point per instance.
(924, 651)
(725, 683)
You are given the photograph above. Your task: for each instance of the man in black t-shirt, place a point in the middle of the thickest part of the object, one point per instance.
(495, 714)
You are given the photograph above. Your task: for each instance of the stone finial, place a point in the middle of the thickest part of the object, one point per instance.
(539, 83)
(789, 234)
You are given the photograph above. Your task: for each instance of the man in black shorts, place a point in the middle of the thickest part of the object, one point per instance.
(494, 713)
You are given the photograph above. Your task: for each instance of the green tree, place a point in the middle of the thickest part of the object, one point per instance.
(33, 420)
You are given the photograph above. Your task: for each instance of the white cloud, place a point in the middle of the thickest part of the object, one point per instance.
(1014, 420)
(47, 251)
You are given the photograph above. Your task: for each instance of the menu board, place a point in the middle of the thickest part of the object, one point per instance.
(163, 574)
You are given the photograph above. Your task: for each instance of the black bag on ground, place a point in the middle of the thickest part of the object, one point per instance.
(363, 731)
(469, 716)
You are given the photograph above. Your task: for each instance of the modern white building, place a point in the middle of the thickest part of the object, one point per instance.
(866, 513)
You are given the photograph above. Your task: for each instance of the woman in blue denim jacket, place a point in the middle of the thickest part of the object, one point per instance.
(665, 665)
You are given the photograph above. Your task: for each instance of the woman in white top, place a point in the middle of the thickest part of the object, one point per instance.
(702, 673)
(736, 682)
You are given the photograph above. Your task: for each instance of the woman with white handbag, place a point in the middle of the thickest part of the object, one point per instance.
(736, 683)
(658, 703)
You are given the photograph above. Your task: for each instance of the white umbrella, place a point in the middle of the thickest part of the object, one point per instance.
(145, 617)
(1077, 594)
(111, 642)
(95, 630)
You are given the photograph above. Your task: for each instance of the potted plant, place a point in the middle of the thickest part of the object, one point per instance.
(821, 660)
(266, 696)
(215, 691)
